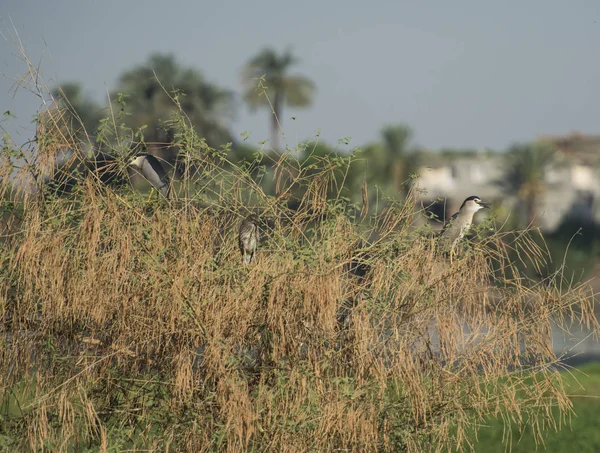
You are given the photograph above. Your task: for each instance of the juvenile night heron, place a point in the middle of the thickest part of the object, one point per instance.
(456, 226)
(248, 237)
(151, 169)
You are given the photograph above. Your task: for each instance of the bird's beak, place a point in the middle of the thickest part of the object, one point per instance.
(483, 204)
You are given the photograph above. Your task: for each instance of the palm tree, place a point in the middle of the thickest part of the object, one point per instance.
(281, 88)
(526, 166)
(150, 87)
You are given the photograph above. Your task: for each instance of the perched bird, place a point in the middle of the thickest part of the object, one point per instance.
(456, 226)
(152, 170)
(248, 237)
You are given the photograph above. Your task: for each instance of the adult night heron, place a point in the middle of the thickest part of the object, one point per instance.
(248, 237)
(456, 226)
(151, 169)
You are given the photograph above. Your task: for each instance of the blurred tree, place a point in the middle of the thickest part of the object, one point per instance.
(390, 162)
(525, 168)
(281, 88)
(313, 152)
(317, 157)
(150, 87)
(371, 166)
(83, 113)
(399, 158)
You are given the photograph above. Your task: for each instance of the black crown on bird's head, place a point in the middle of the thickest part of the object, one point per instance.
(475, 199)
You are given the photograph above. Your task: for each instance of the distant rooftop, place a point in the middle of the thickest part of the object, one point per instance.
(576, 144)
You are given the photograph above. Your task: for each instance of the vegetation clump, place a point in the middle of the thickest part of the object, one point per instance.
(130, 325)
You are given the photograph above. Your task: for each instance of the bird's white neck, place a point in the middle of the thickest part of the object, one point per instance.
(138, 161)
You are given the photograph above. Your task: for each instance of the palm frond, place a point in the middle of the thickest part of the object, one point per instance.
(299, 91)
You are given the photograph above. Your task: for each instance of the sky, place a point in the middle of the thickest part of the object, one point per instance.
(464, 73)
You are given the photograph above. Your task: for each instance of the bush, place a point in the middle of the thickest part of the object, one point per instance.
(129, 325)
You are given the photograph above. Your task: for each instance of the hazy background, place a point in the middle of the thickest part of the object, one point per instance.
(461, 73)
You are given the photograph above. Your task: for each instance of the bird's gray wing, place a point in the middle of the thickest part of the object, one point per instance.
(448, 234)
(156, 175)
(448, 223)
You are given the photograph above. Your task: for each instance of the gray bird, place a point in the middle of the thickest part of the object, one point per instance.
(152, 170)
(248, 237)
(456, 226)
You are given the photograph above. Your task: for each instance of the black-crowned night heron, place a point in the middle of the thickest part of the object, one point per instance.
(248, 237)
(456, 226)
(151, 169)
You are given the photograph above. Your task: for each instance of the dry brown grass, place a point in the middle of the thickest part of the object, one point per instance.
(134, 327)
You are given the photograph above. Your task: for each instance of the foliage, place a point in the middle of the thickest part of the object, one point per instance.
(526, 166)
